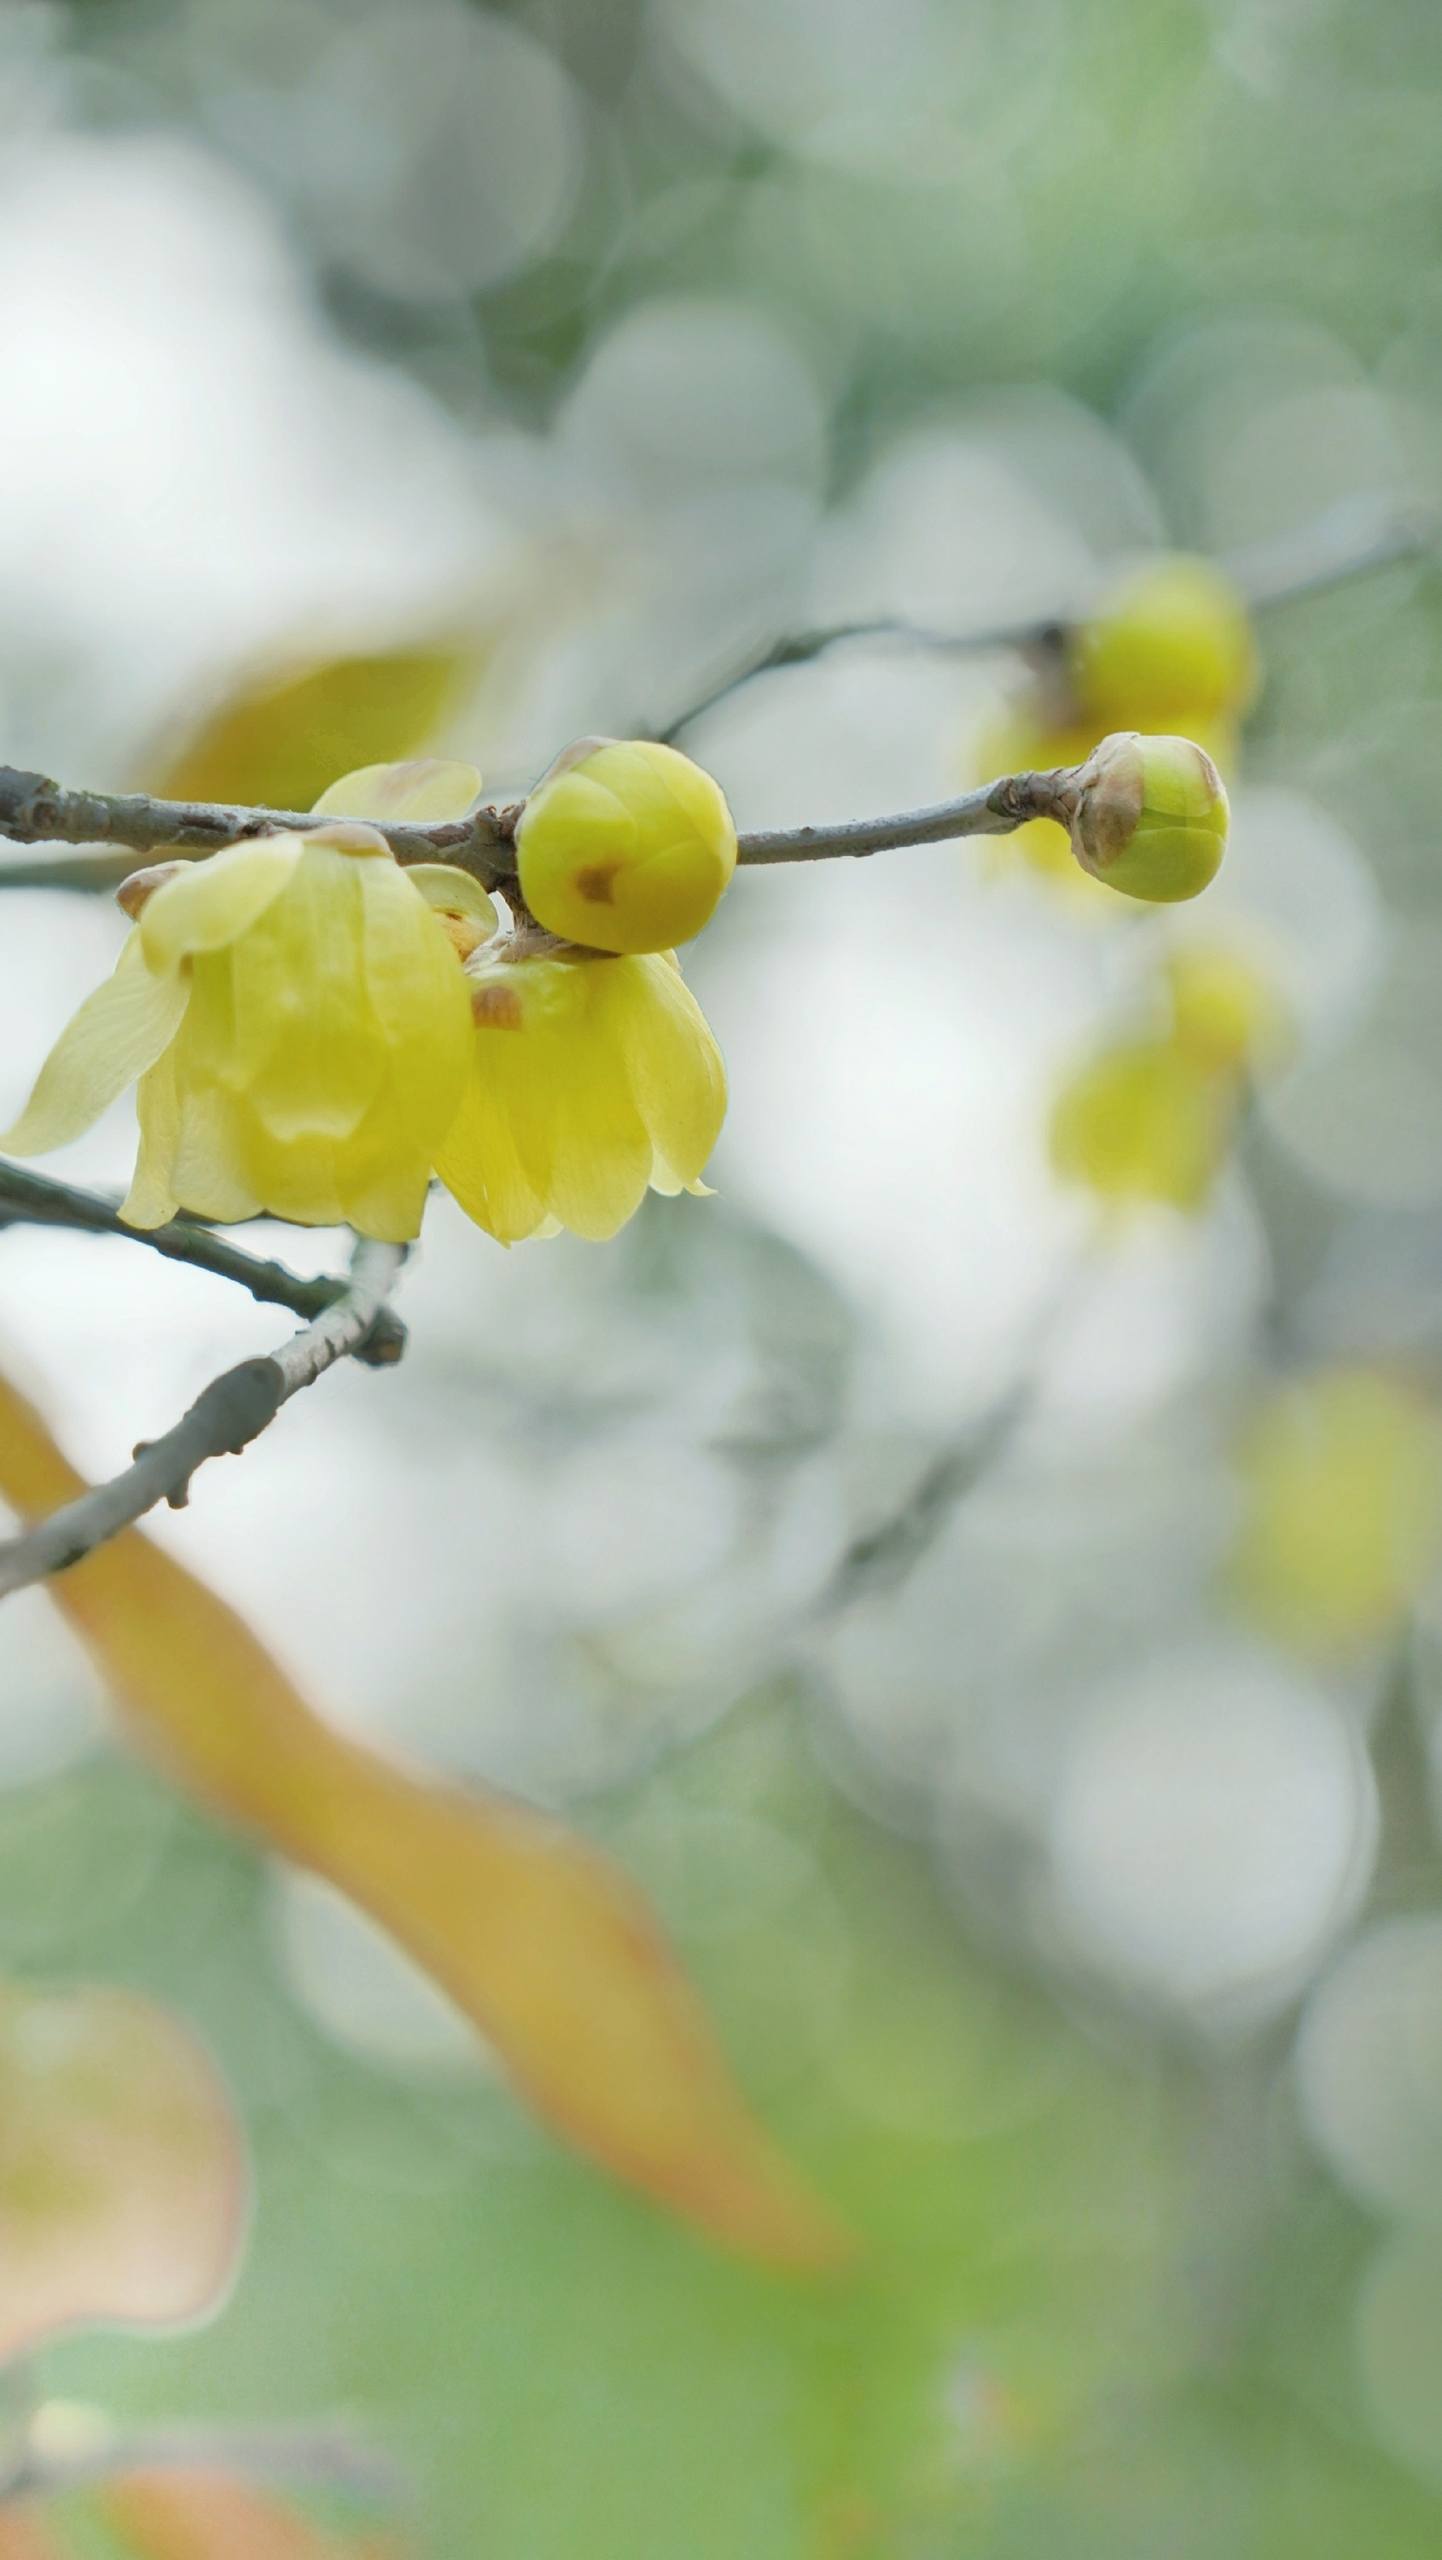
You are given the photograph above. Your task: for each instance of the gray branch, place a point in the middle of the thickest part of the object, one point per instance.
(1348, 541)
(480, 844)
(225, 1417)
(36, 810)
(38, 1200)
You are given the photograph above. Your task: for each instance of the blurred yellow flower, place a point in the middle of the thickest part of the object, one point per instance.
(592, 1078)
(625, 846)
(296, 1015)
(1226, 1010)
(1341, 1507)
(1143, 1123)
(1170, 645)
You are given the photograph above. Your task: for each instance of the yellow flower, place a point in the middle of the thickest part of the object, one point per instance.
(296, 1016)
(1171, 644)
(1342, 1507)
(591, 1079)
(1151, 817)
(1143, 1123)
(625, 846)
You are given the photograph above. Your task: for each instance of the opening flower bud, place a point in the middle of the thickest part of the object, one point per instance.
(1150, 817)
(625, 846)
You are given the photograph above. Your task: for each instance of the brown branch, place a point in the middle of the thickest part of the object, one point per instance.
(225, 1417)
(38, 1200)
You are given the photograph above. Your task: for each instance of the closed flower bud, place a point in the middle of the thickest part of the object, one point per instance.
(625, 846)
(1171, 643)
(1150, 817)
(297, 1018)
(1024, 739)
(591, 1079)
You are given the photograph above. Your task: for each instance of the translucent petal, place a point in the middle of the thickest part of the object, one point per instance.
(151, 1200)
(209, 1175)
(673, 1065)
(118, 1032)
(601, 1152)
(419, 997)
(422, 791)
(305, 1050)
(205, 907)
(453, 892)
(480, 1164)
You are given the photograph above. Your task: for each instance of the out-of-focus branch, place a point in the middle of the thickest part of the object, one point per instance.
(225, 1417)
(481, 843)
(37, 1200)
(1347, 542)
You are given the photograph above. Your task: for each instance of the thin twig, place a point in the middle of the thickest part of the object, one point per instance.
(66, 2449)
(38, 1200)
(225, 1417)
(72, 817)
(1350, 540)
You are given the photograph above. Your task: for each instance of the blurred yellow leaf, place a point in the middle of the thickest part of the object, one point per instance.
(123, 2179)
(284, 734)
(202, 2515)
(545, 1944)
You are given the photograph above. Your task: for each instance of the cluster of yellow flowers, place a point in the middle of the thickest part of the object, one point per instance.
(317, 1031)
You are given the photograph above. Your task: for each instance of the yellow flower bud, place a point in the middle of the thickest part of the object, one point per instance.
(1172, 642)
(1342, 1508)
(625, 846)
(1025, 740)
(1150, 817)
(297, 1020)
(591, 1078)
(1142, 1123)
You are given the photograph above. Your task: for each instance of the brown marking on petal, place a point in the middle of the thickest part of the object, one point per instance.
(136, 890)
(495, 1008)
(463, 933)
(595, 883)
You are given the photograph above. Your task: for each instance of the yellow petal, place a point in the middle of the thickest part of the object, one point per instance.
(421, 791)
(209, 1173)
(152, 1200)
(532, 1932)
(418, 995)
(674, 1066)
(481, 1167)
(454, 893)
(303, 1049)
(118, 1032)
(206, 906)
